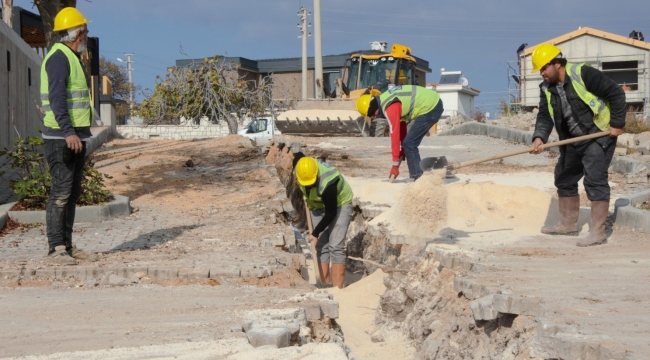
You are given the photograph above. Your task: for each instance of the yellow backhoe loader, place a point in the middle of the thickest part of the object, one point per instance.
(336, 114)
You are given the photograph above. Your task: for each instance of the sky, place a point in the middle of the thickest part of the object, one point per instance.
(477, 37)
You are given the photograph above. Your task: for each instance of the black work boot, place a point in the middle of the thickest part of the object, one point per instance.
(569, 211)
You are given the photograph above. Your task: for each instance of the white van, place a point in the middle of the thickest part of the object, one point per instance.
(259, 130)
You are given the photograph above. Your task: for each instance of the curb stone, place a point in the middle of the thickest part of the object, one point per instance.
(626, 213)
(120, 206)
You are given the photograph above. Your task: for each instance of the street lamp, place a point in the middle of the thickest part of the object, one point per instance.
(130, 69)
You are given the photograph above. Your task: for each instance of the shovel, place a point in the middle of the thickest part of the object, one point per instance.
(312, 247)
(433, 163)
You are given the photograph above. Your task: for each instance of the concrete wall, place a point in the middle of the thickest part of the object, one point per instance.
(289, 85)
(594, 50)
(465, 104)
(173, 132)
(450, 103)
(18, 97)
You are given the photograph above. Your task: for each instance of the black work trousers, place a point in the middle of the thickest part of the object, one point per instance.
(589, 159)
(66, 169)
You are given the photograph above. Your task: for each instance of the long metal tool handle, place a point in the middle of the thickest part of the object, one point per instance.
(312, 247)
(527, 150)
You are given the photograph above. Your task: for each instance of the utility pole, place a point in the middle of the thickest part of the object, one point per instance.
(318, 55)
(303, 30)
(130, 70)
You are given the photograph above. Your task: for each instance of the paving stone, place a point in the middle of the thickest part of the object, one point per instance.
(276, 337)
(312, 309)
(482, 308)
(329, 308)
(514, 304)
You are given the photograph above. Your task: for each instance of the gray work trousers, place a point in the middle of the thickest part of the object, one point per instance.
(331, 242)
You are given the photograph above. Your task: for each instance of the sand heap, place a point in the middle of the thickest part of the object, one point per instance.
(421, 207)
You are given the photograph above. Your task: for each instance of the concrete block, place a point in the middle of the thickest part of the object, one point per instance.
(45, 273)
(224, 271)
(65, 273)
(260, 273)
(120, 206)
(130, 271)
(193, 273)
(15, 274)
(287, 206)
(626, 214)
(276, 337)
(312, 309)
(329, 308)
(482, 308)
(98, 273)
(514, 304)
(625, 140)
(278, 240)
(620, 151)
(162, 273)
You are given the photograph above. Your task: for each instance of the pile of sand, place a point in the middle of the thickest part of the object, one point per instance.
(421, 208)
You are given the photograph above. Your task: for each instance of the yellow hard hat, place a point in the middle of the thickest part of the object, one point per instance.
(363, 103)
(69, 18)
(543, 54)
(307, 171)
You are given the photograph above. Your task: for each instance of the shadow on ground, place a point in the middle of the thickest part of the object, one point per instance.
(153, 238)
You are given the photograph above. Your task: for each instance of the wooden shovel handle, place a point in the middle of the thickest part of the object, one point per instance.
(527, 150)
(312, 247)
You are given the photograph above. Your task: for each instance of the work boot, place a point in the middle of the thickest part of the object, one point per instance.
(569, 211)
(81, 255)
(599, 212)
(59, 256)
(338, 275)
(324, 273)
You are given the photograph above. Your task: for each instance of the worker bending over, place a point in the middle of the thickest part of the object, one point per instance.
(578, 100)
(400, 105)
(329, 199)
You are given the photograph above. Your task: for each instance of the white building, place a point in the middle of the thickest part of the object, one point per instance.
(456, 94)
(623, 59)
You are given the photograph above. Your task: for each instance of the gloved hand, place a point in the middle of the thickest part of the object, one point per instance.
(394, 171)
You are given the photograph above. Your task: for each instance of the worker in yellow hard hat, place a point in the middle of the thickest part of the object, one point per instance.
(401, 105)
(65, 96)
(329, 199)
(578, 100)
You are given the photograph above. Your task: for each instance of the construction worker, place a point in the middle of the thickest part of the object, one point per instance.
(401, 105)
(65, 95)
(578, 100)
(329, 199)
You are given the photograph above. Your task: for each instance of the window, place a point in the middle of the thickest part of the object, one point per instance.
(8, 60)
(29, 76)
(624, 73)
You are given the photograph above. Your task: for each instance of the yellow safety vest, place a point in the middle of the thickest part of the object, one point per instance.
(79, 102)
(415, 100)
(598, 106)
(326, 174)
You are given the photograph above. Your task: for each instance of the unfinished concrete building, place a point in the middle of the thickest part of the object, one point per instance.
(624, 59)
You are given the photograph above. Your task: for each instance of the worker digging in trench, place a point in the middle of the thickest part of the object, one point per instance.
(329, 199)
(401, 105)
(578, 100)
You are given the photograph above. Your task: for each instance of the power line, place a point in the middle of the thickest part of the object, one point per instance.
(432, 36)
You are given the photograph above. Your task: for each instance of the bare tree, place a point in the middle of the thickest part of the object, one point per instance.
(48, 10)
(7, 12)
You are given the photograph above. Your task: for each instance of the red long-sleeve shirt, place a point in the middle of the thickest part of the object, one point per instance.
(393, 114)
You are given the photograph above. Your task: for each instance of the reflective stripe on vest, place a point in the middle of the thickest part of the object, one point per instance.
(598, 106)
(326, 174)
(78, 94)
(415, 100)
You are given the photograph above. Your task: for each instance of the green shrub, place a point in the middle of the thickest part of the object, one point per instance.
(32, 186)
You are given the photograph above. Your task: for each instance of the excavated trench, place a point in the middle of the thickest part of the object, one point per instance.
(421, 303)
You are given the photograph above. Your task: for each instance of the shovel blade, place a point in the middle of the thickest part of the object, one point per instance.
(433, 163)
